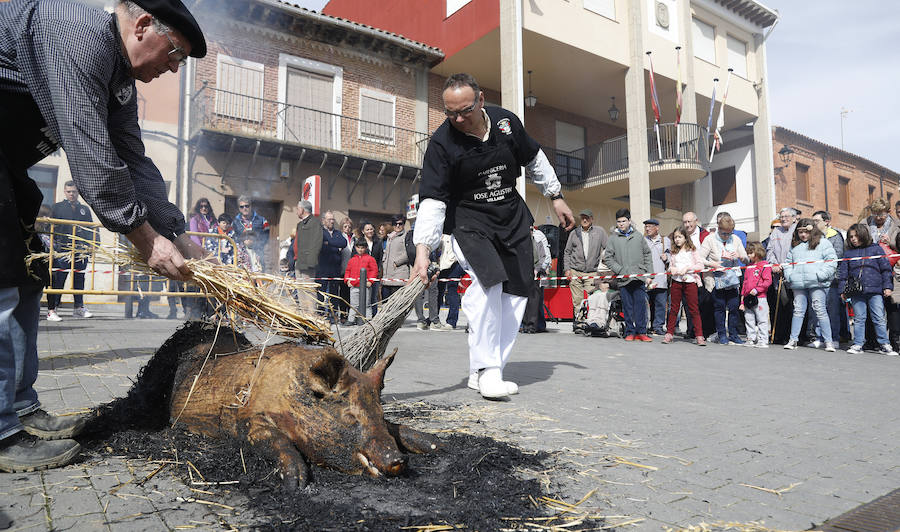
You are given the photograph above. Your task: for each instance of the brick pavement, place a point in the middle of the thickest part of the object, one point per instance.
(676, 435)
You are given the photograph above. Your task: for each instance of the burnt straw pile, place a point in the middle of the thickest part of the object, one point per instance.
(471, 482)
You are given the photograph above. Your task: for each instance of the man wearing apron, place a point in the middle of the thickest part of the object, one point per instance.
(468, 190)
(67, 76)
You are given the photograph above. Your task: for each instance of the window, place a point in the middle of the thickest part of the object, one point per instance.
(704, 41)
(455, 5)
(802, 182)
(843, 193)
(569, 160)
(737, 56)
(376, 113)
(240, 85)
(607, 8)
(658, 198)
(890, 199)
(724, 187)
(871, 196)
(45, 177)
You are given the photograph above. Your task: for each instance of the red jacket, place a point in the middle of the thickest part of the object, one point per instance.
(759, 277)
(358, 262)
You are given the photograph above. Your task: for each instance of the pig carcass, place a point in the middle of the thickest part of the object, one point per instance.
(291, 402)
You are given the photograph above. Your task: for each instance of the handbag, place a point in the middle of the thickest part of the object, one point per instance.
(854, 284)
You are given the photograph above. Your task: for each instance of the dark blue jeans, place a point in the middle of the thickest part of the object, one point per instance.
(726, 299)
(448, 292)
(634, 306)
(20, 310)
(658, 298)
(59, 281)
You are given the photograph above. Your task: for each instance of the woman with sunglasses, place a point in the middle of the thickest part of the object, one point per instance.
(468, 190)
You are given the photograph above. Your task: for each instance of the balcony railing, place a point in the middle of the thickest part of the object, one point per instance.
(598, 164)
(229, 112)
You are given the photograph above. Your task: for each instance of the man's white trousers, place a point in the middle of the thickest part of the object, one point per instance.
(494, 318)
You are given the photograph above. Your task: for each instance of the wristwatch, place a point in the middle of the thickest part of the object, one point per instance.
(556, 196)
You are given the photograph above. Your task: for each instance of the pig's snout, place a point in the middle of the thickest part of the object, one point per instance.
(392, 465)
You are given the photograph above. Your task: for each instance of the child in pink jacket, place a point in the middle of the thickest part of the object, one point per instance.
(757, 280)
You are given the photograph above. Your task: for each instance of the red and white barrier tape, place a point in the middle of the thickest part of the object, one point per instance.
(569, 278)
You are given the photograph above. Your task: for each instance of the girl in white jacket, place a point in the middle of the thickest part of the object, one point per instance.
(683, 260)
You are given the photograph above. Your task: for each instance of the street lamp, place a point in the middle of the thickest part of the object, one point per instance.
(531, 99)
(785, 153)
(613, 110)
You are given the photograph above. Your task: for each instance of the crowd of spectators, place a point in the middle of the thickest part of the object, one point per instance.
(790, 289)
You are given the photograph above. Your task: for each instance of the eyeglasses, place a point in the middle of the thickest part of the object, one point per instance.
(177, 54)
(398, 223)
(463, 112)
(204, 206)
(243, 206)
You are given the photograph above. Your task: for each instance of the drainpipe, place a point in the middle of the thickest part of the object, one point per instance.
(825, 177)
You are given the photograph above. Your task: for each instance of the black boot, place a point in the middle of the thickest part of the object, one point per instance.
(23, 452)
(47, 427)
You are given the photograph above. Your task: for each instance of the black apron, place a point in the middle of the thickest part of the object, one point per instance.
(492, 223)
(22, 144)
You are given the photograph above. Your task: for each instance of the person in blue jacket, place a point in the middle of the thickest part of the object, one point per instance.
(870, 282)
(810, 282)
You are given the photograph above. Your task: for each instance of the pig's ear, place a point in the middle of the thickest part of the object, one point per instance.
(377, 371)
(325, 370)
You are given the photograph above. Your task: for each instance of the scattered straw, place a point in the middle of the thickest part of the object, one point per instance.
(752, 526)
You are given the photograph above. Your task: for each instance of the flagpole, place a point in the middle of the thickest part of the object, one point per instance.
(712, 107)
(654, 102)
(678, 105)
(720, 121)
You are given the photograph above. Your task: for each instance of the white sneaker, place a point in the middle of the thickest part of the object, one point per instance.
(829, 347)
(762, 346)
(855, 349)
(53, 316)
(886, 349)
(792, 344)
(438, 326)
(82, 312)
(815, 344)
(511, 387)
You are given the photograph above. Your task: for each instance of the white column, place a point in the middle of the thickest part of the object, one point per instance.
(636, 116)
(512, 92)
(762, 143)
(422, 99)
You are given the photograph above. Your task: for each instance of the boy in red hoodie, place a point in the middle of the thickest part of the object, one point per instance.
(362, 259)
(757, 280)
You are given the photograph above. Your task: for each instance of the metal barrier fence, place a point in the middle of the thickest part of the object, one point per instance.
(83, 259)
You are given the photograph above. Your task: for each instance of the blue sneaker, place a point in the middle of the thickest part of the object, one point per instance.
(736, 341)
(723, 340)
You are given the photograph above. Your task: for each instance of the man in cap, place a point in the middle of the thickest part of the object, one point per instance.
(468, 190)
(658, 289)
(67, 75)
(582, 255)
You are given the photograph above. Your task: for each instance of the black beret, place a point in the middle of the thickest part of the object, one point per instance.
(174, 14)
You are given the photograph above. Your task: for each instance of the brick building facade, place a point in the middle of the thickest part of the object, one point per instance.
(821, 177)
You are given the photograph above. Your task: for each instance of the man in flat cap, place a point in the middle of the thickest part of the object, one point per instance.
(67, 80)
(582, 257)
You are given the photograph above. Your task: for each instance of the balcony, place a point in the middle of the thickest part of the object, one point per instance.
(228, 121)
(604, 166)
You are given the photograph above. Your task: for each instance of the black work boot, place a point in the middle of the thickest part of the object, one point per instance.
(23, 452)
(47, 427)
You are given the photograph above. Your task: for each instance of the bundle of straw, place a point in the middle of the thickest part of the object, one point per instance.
(368, 344)
(263, 300)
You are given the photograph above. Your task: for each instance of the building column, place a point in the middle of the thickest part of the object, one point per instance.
(512, 92)
(636, 117)
(762, 143)
(689, 95)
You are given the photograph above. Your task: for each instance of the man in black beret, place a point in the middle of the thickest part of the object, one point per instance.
(67, 79)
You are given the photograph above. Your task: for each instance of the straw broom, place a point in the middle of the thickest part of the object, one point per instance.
(368, 344)
(261, 299)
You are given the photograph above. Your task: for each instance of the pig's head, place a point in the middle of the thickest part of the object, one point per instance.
(340, 422)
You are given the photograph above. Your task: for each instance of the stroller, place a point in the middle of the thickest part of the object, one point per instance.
(615, 319)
